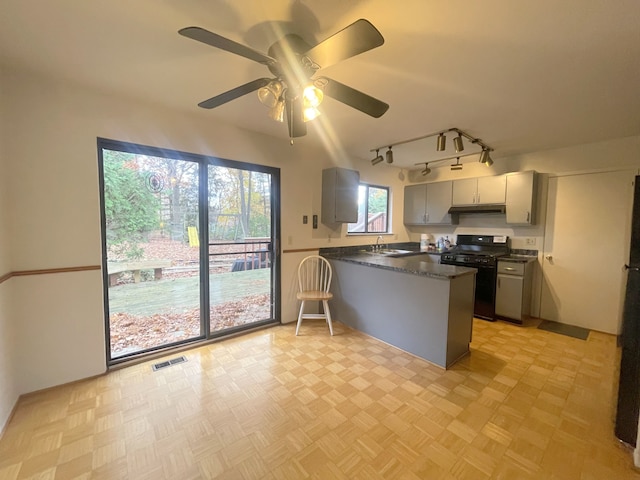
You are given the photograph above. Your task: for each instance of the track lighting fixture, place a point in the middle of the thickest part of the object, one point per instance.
(378, 158)
(389, 155)
(485, 157)
(457, 165)
(457, 143)
(441, 144)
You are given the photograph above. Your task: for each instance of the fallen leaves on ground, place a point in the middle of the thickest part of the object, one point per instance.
(131, 333)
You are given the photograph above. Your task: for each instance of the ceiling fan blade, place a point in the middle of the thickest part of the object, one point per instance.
(354, 98)
(353, 40)
(232, 94)
(218, 41)
(295, 120)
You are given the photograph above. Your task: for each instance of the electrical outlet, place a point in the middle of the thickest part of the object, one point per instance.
(531, 241)
(305, 219)
(315, 221)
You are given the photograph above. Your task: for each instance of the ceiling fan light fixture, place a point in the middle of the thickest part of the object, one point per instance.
(457, 143)
(277, 111)
(270, 94)
(312, 96)
(442, 143)
(389, 156)
(309, 113)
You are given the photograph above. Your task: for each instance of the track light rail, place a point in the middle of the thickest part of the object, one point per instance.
(471, 139)
(452, 157)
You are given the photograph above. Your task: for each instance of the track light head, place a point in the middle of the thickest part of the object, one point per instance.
(457, 165)
(485, 157)
(442, 143)
(426, 170)
(389, 155)
(457, 143)
(378, 158)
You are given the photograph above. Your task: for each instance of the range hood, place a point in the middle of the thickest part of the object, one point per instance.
(488, 208)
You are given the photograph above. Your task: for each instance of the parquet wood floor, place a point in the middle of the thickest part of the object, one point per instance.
(526, 404)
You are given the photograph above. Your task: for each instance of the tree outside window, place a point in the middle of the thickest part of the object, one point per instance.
(373, 210)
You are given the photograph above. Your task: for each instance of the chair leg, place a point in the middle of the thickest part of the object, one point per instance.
(300, 316)
(327, 313)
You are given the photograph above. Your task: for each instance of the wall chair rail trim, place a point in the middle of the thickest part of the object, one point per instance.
(24, 273)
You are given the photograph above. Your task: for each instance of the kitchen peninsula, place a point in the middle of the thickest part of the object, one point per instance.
(404, 299)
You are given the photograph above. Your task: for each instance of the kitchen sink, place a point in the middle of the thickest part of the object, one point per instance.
(393, 252)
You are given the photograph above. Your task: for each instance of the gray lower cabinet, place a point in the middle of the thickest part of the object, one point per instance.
(426, 316)
(427, 204)
(513, 291)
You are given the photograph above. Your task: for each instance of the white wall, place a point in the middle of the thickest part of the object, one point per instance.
(8, 377)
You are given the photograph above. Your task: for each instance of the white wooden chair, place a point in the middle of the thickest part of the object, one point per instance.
(314, 280)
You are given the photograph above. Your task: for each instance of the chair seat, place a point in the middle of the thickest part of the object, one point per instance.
(314, 295)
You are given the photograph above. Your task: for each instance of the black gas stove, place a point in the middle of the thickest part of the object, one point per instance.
(467, 259)
(480, 252)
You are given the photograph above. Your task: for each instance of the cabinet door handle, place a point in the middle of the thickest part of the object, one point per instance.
(426, 217)
(528, 216)
(509, 268)
(478, 198)
(498, 282)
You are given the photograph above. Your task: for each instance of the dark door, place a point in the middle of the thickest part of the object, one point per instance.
(629, 385)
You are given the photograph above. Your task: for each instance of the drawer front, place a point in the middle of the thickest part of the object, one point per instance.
(511, 268)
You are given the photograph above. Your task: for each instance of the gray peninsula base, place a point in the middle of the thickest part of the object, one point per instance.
(426, 316)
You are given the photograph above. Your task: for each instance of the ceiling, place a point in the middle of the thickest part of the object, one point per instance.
(522, 76)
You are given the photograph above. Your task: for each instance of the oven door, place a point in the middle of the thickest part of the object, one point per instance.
(485, 297)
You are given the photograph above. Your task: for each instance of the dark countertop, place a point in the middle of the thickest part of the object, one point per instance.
(518, 258)
(415, 263)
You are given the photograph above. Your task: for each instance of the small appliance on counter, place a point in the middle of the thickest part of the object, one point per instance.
(480, 252)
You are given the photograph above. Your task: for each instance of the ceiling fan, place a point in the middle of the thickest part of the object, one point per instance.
(294, 92)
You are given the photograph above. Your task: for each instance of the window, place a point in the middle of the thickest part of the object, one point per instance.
(373, 210)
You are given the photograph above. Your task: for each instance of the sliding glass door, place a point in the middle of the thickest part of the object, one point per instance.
(188, 246)
(240, 247)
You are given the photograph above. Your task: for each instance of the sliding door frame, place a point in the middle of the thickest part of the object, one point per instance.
(203, 162)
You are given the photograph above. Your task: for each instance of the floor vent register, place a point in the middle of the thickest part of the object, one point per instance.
(168, 363)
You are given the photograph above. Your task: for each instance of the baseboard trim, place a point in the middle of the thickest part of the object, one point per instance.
(9, 418)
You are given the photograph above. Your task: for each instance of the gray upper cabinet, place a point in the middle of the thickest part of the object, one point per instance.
(480, 191)
(520, 205)
(427, 204)
(340, 195)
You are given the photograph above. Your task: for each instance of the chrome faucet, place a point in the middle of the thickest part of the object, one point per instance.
(378, 246)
